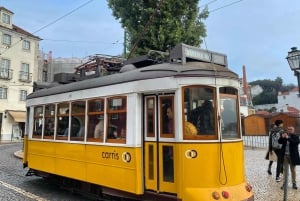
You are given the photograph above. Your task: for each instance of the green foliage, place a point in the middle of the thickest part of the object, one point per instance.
(270, 91)
(175, 21)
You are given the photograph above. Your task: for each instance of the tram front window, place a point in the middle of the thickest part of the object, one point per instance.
(199, 111)
(229, 112)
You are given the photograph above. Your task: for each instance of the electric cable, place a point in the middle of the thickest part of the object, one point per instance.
(47, 25)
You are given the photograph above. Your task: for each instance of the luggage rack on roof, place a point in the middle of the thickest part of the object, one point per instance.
(102, 65)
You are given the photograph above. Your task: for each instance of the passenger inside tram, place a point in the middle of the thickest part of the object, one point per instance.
(168, 119)
(49, 129)
(99, 128)
(203, 118)
(112, 132)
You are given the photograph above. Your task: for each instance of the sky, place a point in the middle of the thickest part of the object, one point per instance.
(257, 34)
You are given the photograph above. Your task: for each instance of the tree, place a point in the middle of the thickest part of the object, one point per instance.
(270, 90)
(159, 24)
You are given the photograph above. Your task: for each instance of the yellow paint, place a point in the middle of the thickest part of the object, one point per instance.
(199, 168)
(109, 166)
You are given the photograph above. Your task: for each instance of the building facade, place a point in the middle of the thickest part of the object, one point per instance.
(18, 70)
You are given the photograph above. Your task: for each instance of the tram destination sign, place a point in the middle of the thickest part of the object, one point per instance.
(183, 52)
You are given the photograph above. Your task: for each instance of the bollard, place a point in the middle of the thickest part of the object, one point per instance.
(285, 183)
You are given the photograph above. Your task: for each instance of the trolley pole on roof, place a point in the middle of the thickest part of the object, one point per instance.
(125, 41)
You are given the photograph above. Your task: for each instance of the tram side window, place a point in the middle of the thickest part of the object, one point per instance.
(167, 116)
(199, 112)
(38, 122)
(116, 119)
(95, 120)
(150, 115)
(229, 112)
(49, 121)
(62, 129)
(77, 121)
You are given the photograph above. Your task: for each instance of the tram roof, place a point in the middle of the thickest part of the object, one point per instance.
(187, 69)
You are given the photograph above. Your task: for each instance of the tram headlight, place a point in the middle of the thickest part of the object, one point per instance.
(216, 195)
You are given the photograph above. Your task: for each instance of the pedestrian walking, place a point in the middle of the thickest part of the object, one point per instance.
(276, 147)
(290, 153)
(270, 155)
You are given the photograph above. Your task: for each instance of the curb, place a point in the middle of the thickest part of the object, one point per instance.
(19, 154)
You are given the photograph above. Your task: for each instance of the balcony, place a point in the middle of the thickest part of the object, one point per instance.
(6, 73)
(25, 76)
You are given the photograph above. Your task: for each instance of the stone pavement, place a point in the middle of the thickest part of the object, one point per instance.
(264, 186)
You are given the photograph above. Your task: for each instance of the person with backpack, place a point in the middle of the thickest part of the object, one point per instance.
(276, 147)
(271, 156)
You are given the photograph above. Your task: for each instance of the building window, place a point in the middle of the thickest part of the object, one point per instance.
(3, 93)
(23, 95)
(5, 18)
(24, 71)
(6, 39)
(26, 45)
(4, 68)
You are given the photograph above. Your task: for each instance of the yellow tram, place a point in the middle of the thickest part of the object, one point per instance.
(168, 130)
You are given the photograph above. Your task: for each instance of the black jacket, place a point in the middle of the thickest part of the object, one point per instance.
(294, 153)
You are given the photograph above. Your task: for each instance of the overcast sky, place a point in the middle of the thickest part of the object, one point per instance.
(254, 33)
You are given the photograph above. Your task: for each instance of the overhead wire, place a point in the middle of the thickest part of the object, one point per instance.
(47, 25)
(222, 165)
(208, 3)
(227, 5)
(113, 43)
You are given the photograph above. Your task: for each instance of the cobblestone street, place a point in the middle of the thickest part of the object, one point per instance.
(265, 187)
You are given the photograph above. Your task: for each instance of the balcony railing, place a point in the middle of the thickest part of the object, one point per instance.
(25, 76)
(6, 73)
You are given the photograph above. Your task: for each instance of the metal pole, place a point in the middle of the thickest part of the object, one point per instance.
(285, 183)
(297, 73)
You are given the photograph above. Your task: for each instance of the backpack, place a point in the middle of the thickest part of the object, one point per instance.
(275, 137)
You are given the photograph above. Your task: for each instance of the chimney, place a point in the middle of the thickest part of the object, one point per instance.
(245, 83)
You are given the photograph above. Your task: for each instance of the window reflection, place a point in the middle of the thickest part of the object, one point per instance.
(116, 119)
(168, 164)
(77, 120)
(62, 129)
(167, 116)
(96, 121)
(38, 122)
(49, 121)
(229, 112)
(150, 114)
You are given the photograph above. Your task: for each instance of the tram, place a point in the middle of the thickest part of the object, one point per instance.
(154, 131)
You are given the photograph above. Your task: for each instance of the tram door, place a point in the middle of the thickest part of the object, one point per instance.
(159, 164)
